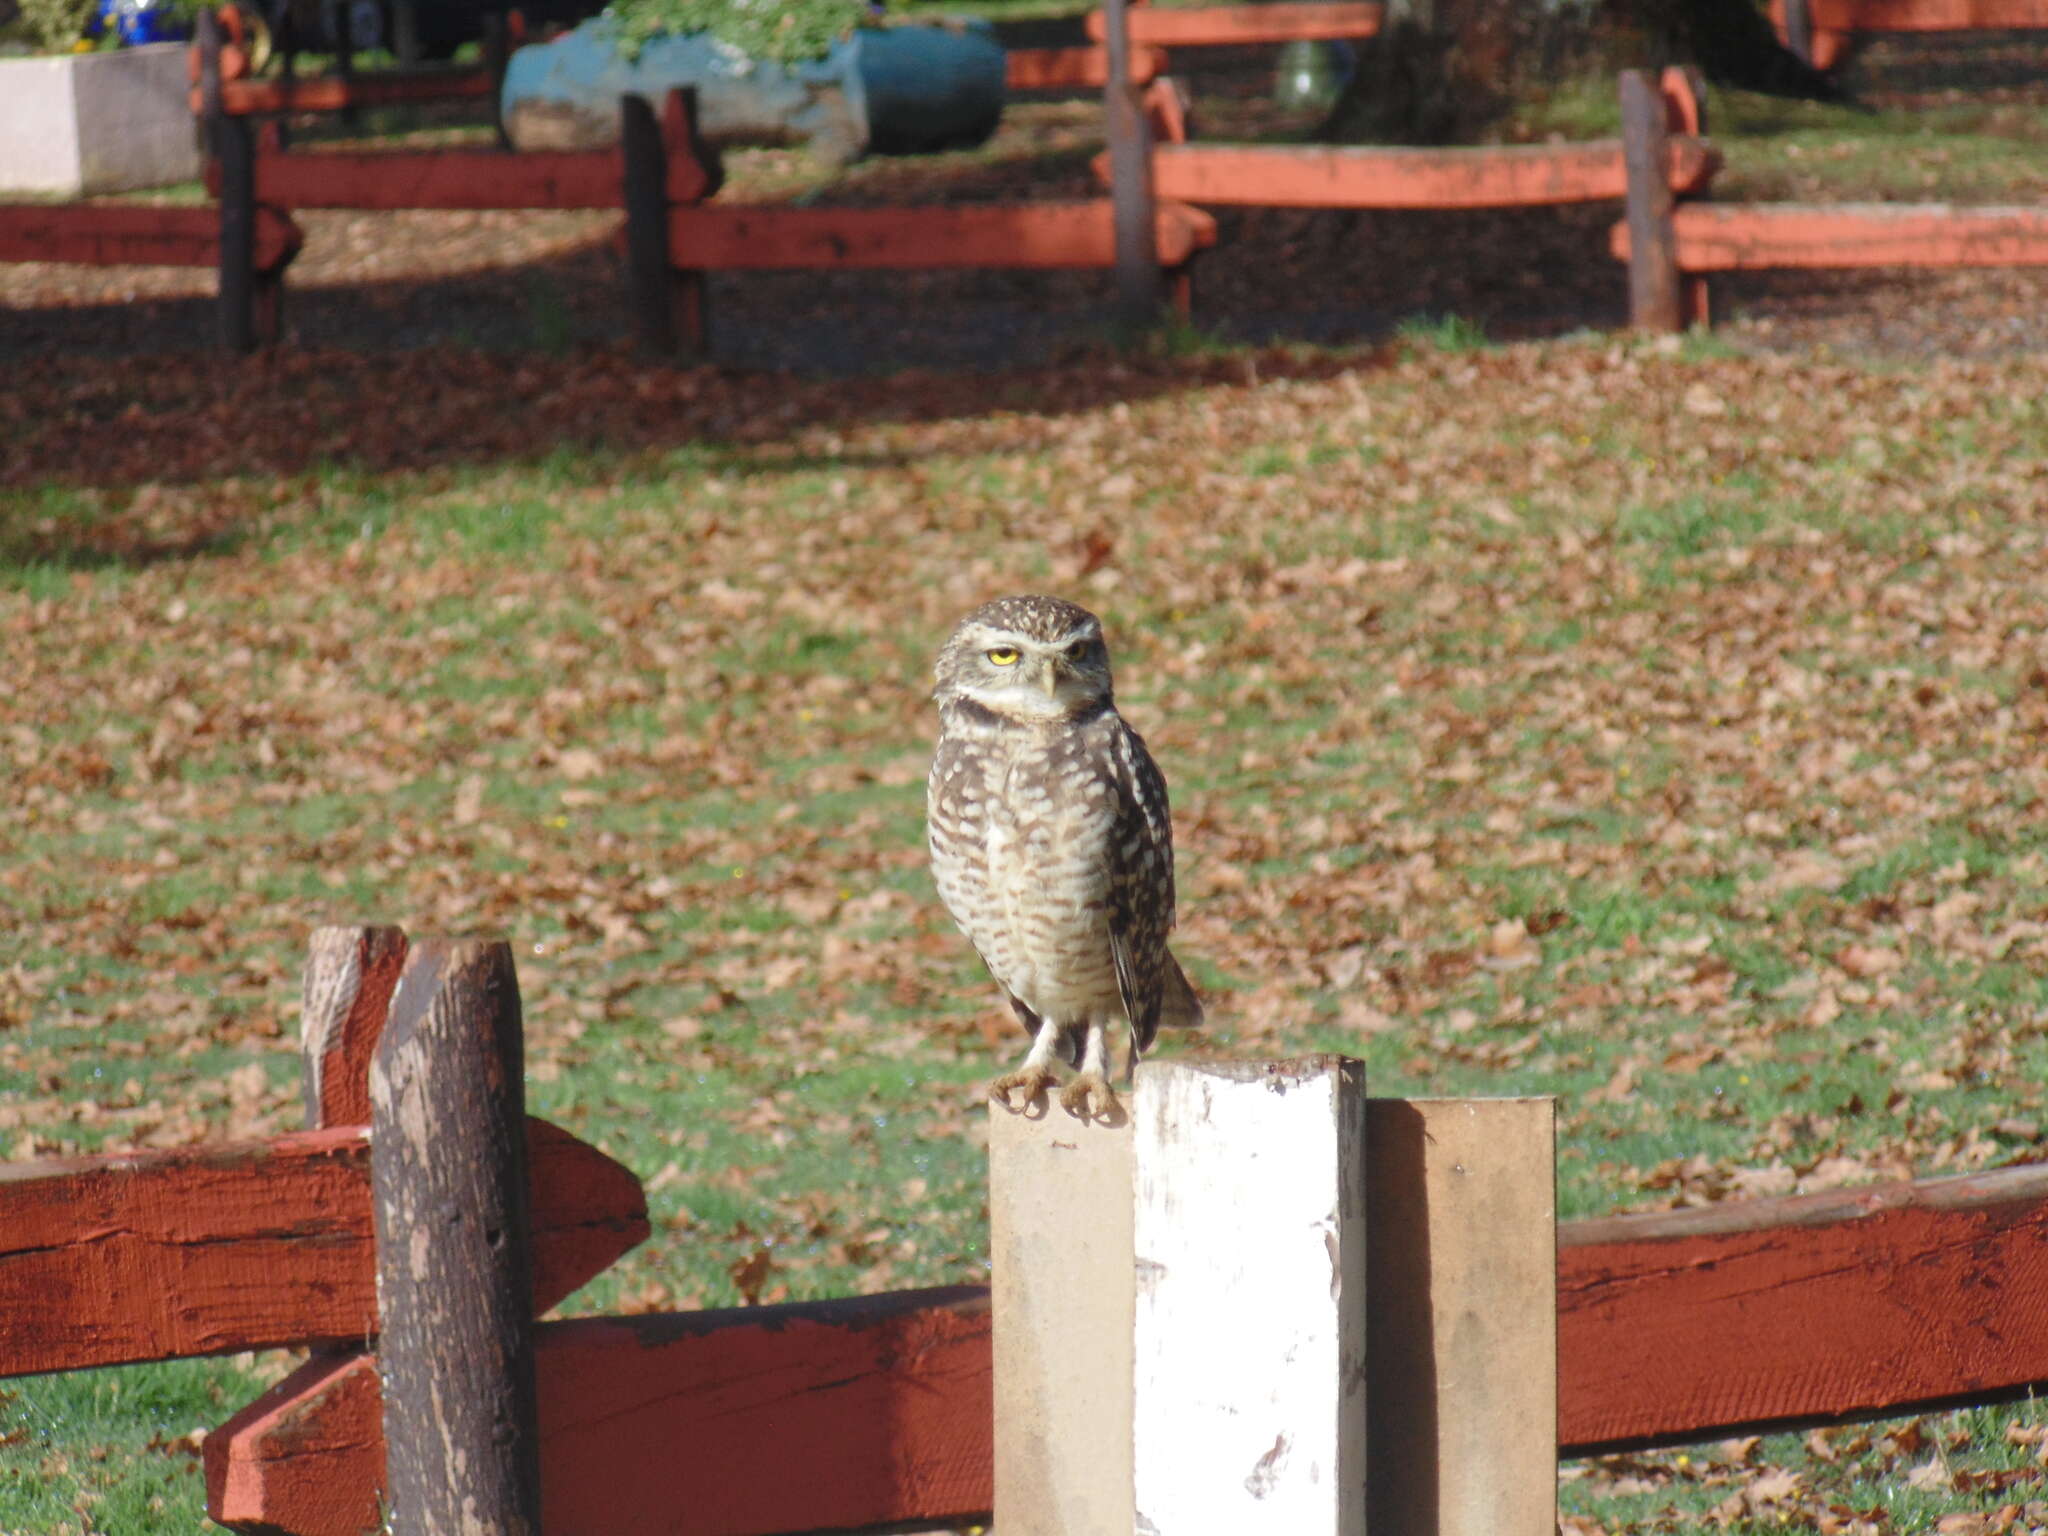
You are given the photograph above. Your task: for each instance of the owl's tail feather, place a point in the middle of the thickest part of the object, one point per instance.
(1179, 1008)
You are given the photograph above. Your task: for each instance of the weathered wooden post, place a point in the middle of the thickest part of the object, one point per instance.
(647, 255)
(500, 28)
(350, 975)
(1461, 1322)
(1249, 1411)
(233, 147)
(454, 1264)
(1653, 282)
(1130, 175)
(1799, 30)
(1059, 1212)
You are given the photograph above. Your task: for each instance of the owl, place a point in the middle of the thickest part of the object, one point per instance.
(1051, 844)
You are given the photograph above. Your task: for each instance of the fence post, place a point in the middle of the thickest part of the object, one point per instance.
(497, 52)
(1653, 283)
(1130, 176)
(454, 1260)
(350, 974)
(1059, 1210)
(649, 284)
(230, 143)
(1249, 1411)
(1461, 1334)
(1799, 30)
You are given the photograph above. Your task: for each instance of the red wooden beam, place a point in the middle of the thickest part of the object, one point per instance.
(337, 93)
(1671, 1328)
(1739, 237)
(821, 1415)
(437, 178)
(131, 234)
(209, 1249)
(1929, 15)
(1076, 69)
(1315, 176)
(763, 237)
(1229, 25)
(1845, 1304)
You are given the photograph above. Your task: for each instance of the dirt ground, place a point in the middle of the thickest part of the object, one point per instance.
(553, 280)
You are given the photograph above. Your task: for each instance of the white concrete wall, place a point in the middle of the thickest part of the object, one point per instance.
(38, 125)
(97, 122)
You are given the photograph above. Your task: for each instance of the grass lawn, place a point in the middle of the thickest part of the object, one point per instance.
(1633, 722)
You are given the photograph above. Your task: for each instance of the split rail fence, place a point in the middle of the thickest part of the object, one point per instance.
(1176, 1328)
(1151, 225)
(1674, 240)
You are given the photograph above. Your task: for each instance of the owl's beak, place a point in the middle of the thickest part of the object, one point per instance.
(1050, 677)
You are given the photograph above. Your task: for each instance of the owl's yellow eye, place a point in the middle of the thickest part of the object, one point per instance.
(1004, 656)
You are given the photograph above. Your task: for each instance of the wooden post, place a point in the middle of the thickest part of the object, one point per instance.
(1059, 1212)
(497, 54)
(350, 974)
(647, 253)
(454, 1263)
(228, 141)
(1249, 1233)
(1653, 288)
(1130, 175)
(1799, 30)
(1462, 1326)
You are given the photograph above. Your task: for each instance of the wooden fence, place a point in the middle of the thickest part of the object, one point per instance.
(1639, 1330)
(1674, 242)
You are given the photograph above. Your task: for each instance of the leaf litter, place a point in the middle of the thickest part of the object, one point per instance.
(1531, 729)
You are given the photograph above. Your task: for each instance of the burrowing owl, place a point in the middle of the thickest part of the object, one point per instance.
(1051, 843)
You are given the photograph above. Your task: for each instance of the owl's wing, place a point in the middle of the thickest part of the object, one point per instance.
(1141, 891)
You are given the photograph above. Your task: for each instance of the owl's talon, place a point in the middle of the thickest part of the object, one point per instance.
(1089, 1097)
(1033, 1080)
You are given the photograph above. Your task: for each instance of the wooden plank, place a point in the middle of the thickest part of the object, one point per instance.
(215, 1248)
(1739, 237)
(1059, 1210)
(813, 1416)
(1076, 69)
(1461, 1328)
(1235, 25)
(349, 977)
(449, 1189)
(1249, 1404)
(1654, 302)
(439, 178)
(762, 237)
(129, 234)
(1318, 176)
(1928, 15)
(1850, 1303)
(335, 93)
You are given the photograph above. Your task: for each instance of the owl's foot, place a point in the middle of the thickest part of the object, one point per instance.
(1089, 1097)
(1032, 1080)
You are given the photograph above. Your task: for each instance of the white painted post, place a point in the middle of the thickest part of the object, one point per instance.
(1059, 1212)
(1249, 1230)
(1462, 1330)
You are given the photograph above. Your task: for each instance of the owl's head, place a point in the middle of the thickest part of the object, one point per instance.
(1026, 658)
